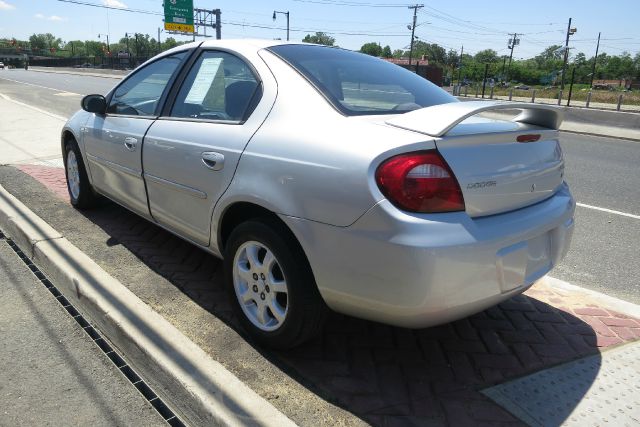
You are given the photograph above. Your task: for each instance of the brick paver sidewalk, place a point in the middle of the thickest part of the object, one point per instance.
(391, 376)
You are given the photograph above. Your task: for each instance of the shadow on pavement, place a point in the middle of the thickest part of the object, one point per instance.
(382, 374)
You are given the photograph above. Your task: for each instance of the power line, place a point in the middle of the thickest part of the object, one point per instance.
(104, 6)
(462, 21)
(351, 3)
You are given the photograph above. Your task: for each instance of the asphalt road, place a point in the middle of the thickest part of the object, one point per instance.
(55, 93)
(53, 374)
(602, 172)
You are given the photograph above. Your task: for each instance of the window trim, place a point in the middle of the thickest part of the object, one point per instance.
(163, 97)
(256, 97)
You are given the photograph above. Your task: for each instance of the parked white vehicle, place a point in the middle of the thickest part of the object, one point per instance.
(325, 177)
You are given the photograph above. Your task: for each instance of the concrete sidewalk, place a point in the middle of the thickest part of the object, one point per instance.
(41, 147)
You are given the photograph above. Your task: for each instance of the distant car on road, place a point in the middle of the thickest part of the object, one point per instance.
(1, 65)
(326, 177)
(521, 87)
(85, 65)
(602, 86)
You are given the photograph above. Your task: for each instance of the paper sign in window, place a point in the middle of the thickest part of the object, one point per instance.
(210, 71)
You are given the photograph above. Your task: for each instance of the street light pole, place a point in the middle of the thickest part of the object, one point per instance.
(107, 36)
(284, 13)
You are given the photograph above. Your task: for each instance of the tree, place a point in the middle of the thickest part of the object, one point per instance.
(169, 43)
(434, 53)
(373, 49)
(94, 48)
(44, 41)
(75, 48)
(386, 52)
(550, 58)
(486, 56)
(398, 53)
(451, 60)
(319, 38)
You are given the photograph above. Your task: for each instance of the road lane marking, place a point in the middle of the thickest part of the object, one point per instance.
(39, 110)
(43, 87)
(66, 94)
(608, 211)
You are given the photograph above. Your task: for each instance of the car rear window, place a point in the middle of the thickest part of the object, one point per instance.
(358, 84)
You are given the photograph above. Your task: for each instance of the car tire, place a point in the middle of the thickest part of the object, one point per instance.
(81, 193)
(271, 285)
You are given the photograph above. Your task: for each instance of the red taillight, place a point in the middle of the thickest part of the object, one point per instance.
(420, 182)
(528, 138)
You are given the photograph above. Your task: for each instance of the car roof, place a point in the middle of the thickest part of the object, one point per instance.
(237, 43)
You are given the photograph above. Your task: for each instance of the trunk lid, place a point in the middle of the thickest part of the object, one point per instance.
(497, 173)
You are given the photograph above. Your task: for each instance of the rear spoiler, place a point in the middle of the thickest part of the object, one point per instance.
(440, 119)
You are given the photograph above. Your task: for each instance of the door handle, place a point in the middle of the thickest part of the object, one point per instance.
(130, 143)
(213, 160)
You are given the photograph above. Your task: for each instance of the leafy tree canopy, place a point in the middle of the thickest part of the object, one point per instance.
(319, 38)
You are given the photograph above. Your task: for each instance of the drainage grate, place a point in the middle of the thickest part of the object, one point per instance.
(117, 360)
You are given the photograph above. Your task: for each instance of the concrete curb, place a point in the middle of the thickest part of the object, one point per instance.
(621, 306)
(199, 389)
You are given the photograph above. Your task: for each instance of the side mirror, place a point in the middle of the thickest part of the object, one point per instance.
(94, 104)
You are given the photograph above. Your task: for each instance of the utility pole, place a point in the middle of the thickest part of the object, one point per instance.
(460, 66)
(595, 59)
(413, 28)
(284, 13)
(570, 31)
(504, 61)
(159, 44)
(513, 42)
(217, 12)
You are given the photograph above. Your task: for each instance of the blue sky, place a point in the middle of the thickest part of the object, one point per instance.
(475, 24)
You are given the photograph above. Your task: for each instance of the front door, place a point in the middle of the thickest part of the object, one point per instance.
(113, 142)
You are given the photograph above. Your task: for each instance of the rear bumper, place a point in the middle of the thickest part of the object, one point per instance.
(419, 270)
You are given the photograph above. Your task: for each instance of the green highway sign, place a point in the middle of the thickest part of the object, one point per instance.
(178, 15)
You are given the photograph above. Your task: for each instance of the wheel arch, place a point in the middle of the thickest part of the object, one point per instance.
(66, 136)
(239, 212)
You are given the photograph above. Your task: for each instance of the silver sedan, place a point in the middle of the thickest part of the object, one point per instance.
(328, 179)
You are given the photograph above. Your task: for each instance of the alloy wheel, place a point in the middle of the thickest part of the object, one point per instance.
(260, 286)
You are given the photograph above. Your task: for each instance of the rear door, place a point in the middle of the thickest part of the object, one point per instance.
(191, 153)
(113, 142)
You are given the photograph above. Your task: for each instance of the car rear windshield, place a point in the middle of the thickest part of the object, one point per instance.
(358, 84)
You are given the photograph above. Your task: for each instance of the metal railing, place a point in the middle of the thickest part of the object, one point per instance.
(615, 101)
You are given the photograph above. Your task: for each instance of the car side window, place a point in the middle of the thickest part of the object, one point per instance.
(139, 94)
(220, 86)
